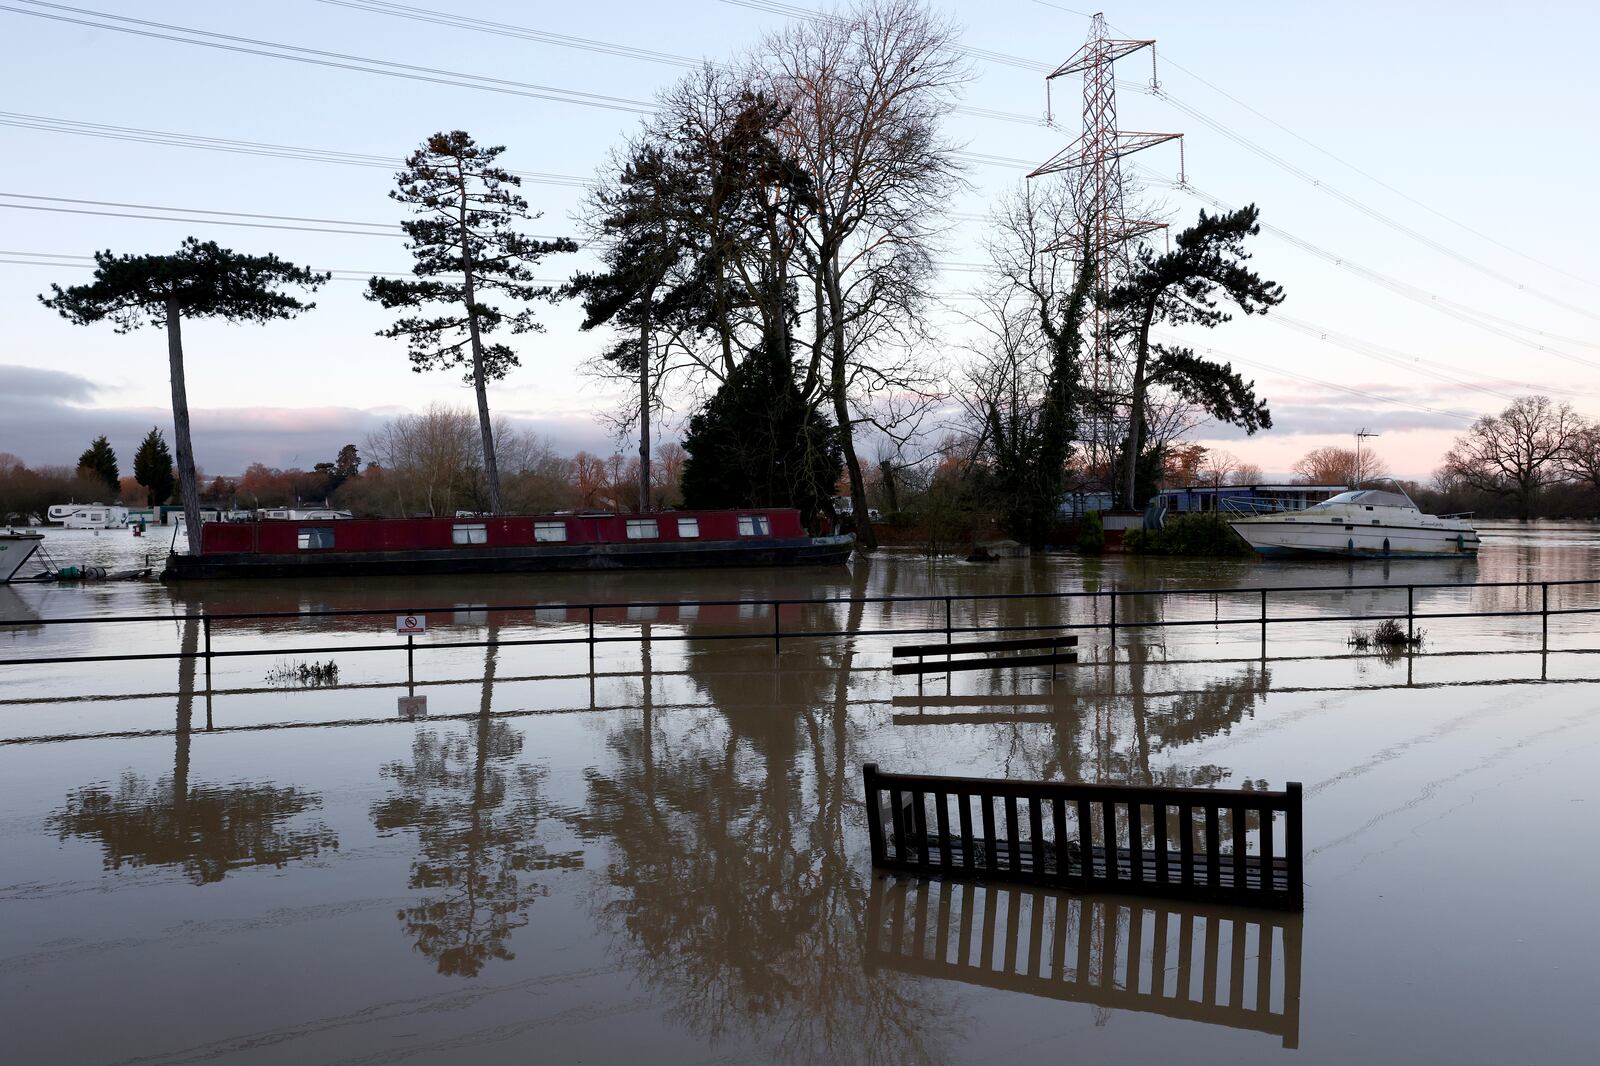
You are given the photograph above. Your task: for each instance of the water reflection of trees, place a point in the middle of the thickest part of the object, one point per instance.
(732, 880)
(207, 829)
(476, 813)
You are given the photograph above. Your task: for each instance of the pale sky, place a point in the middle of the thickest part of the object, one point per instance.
(1484, 113)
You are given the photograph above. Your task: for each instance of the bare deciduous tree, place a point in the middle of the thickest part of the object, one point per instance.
(865, 93)
(1332, 465)
(1518, 451)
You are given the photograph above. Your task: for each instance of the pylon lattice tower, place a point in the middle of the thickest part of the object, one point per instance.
(1095, 159)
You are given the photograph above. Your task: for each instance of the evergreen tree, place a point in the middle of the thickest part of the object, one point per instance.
(348, 463)
(1181, 287)
(465, 249)
(100, 461)
(757, 443)
(643, 244)
(200, 280)
(152, 467)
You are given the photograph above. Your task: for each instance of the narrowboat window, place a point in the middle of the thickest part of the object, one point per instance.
(316, 537)
(643, 529)
(549, 532)
(469, 533)
(753, 525)
(688, 527)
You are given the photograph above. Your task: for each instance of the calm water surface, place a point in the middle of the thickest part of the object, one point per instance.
(664, 859)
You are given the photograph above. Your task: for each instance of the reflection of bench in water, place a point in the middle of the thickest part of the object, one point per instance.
(1152, 841)
(982, 655)
(1199, 962)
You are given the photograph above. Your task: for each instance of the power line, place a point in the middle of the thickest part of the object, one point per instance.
(86, 262)
(171, 139)
(336, 60)
(319, 225)
(1464, 312)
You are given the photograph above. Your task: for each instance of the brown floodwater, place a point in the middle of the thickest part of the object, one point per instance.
(661, 856)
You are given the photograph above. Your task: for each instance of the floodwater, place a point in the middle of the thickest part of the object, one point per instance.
(660, 854)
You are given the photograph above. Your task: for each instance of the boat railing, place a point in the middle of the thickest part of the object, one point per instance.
(1258, 505)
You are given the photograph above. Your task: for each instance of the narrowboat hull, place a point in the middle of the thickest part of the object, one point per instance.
(793, 551)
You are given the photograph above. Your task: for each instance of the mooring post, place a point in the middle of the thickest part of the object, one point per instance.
(205, 626)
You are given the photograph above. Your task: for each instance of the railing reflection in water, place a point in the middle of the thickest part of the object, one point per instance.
(1219, 965)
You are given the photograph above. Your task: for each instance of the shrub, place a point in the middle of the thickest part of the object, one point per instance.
(1199, 533)
(1092, 534)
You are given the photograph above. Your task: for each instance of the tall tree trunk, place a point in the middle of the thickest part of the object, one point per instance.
(644, 404)
(188, 486)
(491, 469)
(841, 406)
(1130, 480)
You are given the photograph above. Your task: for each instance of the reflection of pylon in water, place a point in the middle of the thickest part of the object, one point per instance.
(1095, 160)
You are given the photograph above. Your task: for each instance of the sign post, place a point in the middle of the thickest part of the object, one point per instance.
(410, 625)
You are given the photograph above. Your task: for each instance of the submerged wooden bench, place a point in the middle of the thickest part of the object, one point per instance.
(1140, 840)
(980, 655)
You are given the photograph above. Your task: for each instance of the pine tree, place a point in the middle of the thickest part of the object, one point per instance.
(99, 460)
(1180, 287)
(200, 280)
(465, 249)
(152, 467)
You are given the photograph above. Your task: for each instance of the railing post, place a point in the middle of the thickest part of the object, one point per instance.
(777, 633)
(1263, 621)
(1544, 617)
(591, 640)
(1113, 594)
(1411, 613)
(947, 627)
(205, 625)
(411, 649)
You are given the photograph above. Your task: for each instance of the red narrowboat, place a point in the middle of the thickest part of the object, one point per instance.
(506, 544)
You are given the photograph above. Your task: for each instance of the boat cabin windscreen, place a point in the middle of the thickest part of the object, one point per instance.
(1365, 498)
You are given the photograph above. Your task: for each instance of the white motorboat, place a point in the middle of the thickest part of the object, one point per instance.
(16, 548)
(1362, 523)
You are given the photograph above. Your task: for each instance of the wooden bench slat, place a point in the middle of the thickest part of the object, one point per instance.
(1002, 662)
(972, 646)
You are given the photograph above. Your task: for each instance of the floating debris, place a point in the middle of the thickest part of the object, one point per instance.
(1389, 638)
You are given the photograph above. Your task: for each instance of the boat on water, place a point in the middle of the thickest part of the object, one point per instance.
(508, 544)
(1361, 523)
(16, 548)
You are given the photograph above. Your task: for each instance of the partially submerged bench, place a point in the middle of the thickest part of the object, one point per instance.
(1140, 840)
(984, 655)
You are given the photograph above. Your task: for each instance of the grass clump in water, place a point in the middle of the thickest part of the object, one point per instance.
(1389, 638)
(303, 674)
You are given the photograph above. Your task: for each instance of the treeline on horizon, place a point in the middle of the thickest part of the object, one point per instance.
(767, 243)
(430, 464)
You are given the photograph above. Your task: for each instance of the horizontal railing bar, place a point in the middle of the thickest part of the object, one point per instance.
(1235, 590)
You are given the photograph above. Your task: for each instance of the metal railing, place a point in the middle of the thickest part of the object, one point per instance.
(1102, 604)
